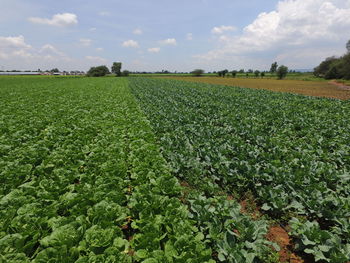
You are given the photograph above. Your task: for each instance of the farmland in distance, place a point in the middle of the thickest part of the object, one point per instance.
(308, 88)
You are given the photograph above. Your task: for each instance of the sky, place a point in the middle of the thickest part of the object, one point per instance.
(180, 35)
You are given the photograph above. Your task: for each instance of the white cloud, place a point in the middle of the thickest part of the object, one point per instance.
(137, 31)
(14, 46)
(96, 59)
(153, 50)
(294, 26)
(168, 41)
(50, 50)
(17, 54)
(85, 42)
(189, 36)
(99, 49)
(62, 20)
(13, 42)
(222, 29)
(92, 29)
(130, 43)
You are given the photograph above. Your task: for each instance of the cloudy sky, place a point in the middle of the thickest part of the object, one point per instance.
(174, 35)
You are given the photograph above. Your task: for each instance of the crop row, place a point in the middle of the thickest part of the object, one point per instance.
(83, 181)
(292, 152)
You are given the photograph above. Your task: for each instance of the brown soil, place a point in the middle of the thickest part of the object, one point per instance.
(309, 88)
(340, 85)
(250, 208)
(278, 235)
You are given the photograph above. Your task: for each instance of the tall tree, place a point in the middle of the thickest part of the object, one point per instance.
(348, 46)
(273, 68)
(116, 68)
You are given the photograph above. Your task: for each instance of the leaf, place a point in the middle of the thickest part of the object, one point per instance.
(142, 253)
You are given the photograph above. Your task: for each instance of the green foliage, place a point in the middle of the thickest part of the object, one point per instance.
(222, 73)
(273, 68)
(197, 72)
(287, 149)
(99, 71)
(256, 73)
(335, 68)
(116, 68)
(234, 73)
(125, 73)
(282, 72)
(54, 70)
(89, 175)
(82, 175)
(323, 245)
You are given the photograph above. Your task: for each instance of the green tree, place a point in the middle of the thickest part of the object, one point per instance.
(325, 66)
(99, 71)
(273, 68)
(116, 68)
(282, 72)
(125, 73)
(197, 72)
(256, 73)
(54, 70)
(332, 73)
(345, 70)
(234, 73)
(222, 73)
(262, 74)
(335, 68)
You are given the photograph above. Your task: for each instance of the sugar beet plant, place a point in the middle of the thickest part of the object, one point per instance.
(292, 152)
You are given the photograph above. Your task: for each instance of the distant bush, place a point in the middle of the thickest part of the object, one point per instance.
(282, 72)
(125, 73)
(197, 72)
(222, 73)
(99, 71)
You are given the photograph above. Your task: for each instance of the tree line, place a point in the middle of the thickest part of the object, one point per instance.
(280, 71)
(103, 70)
(335, 67)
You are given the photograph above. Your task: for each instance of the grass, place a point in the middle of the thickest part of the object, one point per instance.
(309, 88)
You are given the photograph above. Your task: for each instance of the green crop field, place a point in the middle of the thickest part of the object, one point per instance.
(155, 170)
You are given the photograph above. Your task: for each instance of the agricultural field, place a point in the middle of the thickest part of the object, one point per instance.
(157, 170)
(309, 87)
